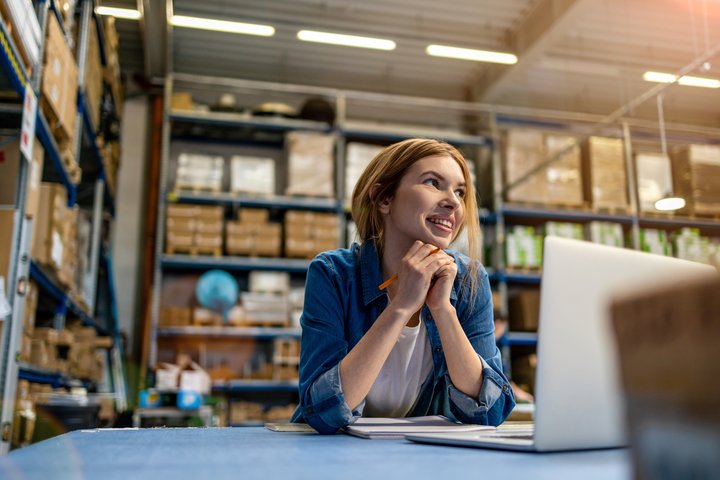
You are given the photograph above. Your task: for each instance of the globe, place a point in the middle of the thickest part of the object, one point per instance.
(217, 290)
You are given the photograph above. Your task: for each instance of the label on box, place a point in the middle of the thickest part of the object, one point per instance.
(4, 304)
(27, 134)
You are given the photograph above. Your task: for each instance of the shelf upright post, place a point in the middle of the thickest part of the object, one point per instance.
(18, 275)
(498, 254)
(632, 186)
(82, 51)
(340, 118)
(160, 228)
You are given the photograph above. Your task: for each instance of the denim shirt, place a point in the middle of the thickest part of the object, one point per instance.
(342, 301)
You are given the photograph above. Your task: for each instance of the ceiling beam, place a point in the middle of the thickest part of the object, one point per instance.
(534, 36)
(154, 27)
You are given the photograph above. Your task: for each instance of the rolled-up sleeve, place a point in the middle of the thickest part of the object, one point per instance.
(495, 400)
(322, 403)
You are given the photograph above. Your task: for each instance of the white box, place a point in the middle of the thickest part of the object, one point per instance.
(310, 157)
(357, 158)
(252, 175)
(269, 282)
(654, 179)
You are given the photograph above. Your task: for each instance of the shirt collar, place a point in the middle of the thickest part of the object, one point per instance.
(371, 276)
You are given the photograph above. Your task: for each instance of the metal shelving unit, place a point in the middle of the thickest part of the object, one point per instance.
(261, 333)
(22, 267)
(232, 263)
(241, 386)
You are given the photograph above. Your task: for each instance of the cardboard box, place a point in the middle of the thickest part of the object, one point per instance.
(604, 165)
(654, 179)
(524, 311)
(357, 158)
(93, 77)
(253, 215)
(181, 101)
(9, 171)
(59, 83)
(175, 316)
(564, 176)
(7, 224)
(48, 231)
(524, 149)
(310, 159)
(22, 23)
(252, 175)
(696, 177)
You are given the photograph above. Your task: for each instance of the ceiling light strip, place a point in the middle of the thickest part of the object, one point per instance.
(346, 40)
(687, 80)
(126, 13)
(222, 26)
(471, 54)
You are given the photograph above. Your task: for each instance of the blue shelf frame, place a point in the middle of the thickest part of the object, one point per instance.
(56, 380)
(231, 263)
(49, 285)
(247, 200)
(91, 137)
(515, 277)
(240, 386)
(513, 339)
(398, 136)
(514, 211)
(260, 333)
(237, 120)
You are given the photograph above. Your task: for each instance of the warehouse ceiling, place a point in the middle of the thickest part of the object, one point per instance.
(584, 56)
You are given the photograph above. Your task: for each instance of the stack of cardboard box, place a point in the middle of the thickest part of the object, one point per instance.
(93, 77)
(696, 177)
(559, 183)
(309, 233)
(111, 73)
(54, 233)
(310, 158)
(604, 164)
(194, 229)
(59, 94)
(286, 358)
(253, 234)
(22, 23)
(252, 175)
(198, 172)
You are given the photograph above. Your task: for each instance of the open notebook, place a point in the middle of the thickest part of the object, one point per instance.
(398, 427)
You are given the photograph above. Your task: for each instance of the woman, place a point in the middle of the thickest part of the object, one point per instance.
(424, 345)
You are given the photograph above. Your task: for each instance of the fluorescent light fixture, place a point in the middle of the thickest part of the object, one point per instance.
(686, 80)
(346, 40)
(222, 26)
(471, 54)
(126, 13)
(668, 204)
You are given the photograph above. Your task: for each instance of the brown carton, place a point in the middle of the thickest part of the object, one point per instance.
(604, 164)
(9, 170)
(253, 215)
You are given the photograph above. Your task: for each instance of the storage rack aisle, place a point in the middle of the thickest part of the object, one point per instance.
(624, 217)
(218, 133)
(33, 282)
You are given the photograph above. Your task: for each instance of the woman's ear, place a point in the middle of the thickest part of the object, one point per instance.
(384, 203)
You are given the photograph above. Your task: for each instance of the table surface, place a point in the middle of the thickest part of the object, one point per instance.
(255, 452)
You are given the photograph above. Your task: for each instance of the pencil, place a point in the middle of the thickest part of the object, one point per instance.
(392, 279)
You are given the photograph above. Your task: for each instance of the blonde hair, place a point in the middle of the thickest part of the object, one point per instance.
(380, 181)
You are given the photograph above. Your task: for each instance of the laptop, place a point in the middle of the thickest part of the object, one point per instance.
(578, 397)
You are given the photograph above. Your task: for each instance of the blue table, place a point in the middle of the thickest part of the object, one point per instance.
(257, 453)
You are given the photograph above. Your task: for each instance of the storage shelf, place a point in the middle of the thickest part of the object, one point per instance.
(46, 281)
(233, 332)
(517, 211)
(395, 135)
(521, 338)
(256, 386)
(34, 374)
(248, 200)
(240, 120)
(517, 277)
(679, 222)
(201, 262)
(91, 136)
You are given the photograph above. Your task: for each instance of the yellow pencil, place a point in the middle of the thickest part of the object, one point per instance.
(392, 279)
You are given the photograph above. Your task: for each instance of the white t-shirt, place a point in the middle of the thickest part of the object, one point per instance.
(397, 386)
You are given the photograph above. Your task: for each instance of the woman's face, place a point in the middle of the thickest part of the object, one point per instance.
(427, 205)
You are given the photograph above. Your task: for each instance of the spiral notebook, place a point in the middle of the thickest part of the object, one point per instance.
(399, 427)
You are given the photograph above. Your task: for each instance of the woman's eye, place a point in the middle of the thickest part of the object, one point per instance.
(431, 181)
(460, 193)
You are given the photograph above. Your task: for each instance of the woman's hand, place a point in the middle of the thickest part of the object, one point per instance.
(421, 264)
(438, 297)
